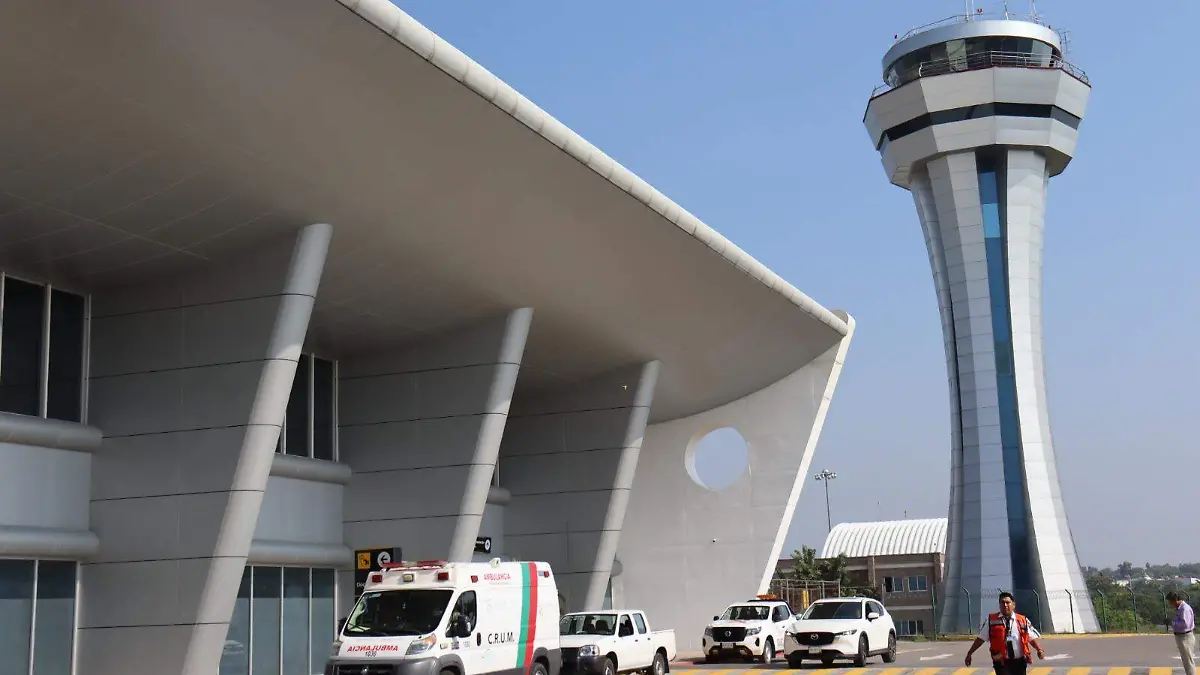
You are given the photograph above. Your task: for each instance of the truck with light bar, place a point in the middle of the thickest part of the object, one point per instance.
(754, 629)
(434, 617)
(614, 641)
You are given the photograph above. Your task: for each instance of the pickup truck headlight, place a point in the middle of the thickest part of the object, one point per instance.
(753, 631)
(422, 644)
(708, 631)
(589, 650)
(847, 633)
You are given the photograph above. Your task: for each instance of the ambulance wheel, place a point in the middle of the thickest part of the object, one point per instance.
(537, 669)
(768, 654)
(609, 669)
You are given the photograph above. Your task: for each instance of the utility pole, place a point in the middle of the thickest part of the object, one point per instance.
(825, 476)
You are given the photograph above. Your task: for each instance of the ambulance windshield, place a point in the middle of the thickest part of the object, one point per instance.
(588, 624)
(390, 613)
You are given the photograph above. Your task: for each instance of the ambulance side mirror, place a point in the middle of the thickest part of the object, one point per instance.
(716, 618)
(341, 624)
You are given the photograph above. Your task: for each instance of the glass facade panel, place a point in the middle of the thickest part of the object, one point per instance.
(296, 426)
(55, 618)
(282, 624)
(16, 615)
(64, 395)
(967, 54)
(323, 621)
(324, 428)
(21, 347)
(267, 585)
(235, 657)
(992, 180)
(295, 621)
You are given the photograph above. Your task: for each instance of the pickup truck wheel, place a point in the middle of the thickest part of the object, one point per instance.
(860, 659)
(768, 654)
(609, 669)
(659, 667)
(890, 655)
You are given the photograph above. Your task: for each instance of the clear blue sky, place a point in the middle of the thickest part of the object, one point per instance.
(748, 113)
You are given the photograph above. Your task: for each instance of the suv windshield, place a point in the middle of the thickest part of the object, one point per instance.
(834, 610)
(747, 613)
(389, 613)
(588, 624)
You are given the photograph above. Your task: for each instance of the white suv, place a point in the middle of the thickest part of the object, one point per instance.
(841, 628)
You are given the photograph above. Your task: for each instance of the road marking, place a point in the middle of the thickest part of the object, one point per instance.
(1079, 671)
(1040, 671)
(965, 671)
(1161, 671)
(927, 671)
(1060, 657)
(935, 657)
(910, 651)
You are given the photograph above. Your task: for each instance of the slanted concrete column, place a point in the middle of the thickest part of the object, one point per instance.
(421, 428)
(568, 459)
(189, 383)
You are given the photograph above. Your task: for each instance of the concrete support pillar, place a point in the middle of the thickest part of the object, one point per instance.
(189, 383)
(568, 459)
(421, 428)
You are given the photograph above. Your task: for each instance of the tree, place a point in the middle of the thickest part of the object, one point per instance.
(806, 566)
(1125, 570)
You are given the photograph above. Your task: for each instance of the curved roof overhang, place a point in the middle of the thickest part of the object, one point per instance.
(143, 138)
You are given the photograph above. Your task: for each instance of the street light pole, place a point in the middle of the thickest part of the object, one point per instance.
(825, 476)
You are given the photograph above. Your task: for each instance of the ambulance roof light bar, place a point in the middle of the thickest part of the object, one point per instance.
(415, 565)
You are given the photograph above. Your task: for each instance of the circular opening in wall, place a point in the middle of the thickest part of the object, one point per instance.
(718, 459)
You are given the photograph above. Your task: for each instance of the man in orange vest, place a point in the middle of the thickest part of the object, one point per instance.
(1009, 637)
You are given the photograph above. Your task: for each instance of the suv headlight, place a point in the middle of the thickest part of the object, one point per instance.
(847, 633)
(708, 631)
(589, 650)
(422, 644)
(753, 631)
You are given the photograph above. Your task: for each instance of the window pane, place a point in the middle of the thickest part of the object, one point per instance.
(265, 625)
(322, 625)
(235, 657)
(21, 347)
(16, 613)
(296, 442)
(323, 398)
(295, 621)
(64, 399)
(55, 625)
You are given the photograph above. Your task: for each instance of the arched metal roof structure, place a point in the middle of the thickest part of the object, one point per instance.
(893, 537)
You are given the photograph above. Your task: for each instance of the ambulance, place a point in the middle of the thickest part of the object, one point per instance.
(443, 618)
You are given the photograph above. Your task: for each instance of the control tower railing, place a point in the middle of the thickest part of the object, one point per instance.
(977, 16)
(994, 59)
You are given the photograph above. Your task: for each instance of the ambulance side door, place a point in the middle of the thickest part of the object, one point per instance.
(469, 636)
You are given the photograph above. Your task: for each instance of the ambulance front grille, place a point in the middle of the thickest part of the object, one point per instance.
(365, 669)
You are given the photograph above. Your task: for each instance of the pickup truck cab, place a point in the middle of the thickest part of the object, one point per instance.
(842, 628)
(751, 629)
(614, 641)
(446, 618)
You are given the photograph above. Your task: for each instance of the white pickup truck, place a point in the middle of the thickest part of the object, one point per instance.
(614, 641)
(752, 629)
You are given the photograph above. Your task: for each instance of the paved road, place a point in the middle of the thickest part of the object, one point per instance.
(1093, 655)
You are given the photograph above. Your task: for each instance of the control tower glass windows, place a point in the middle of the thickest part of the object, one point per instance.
(971, 54)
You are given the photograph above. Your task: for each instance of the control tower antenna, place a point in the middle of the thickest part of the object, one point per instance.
(1006, 10)
(1033, 9)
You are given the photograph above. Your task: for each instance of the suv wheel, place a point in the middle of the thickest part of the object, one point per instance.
(860, 659)
(890, 655)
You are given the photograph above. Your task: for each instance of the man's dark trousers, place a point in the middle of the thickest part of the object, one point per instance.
(1010, 667)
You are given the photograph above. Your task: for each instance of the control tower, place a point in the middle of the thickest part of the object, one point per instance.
(975, 115)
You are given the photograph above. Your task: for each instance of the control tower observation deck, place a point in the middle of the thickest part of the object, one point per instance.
(975, 115)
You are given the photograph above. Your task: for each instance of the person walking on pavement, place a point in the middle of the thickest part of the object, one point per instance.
(1184, 628)
(1010, 637)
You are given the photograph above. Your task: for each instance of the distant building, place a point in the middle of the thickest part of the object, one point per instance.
(903, 560)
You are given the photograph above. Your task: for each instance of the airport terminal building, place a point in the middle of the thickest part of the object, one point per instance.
(286, 280)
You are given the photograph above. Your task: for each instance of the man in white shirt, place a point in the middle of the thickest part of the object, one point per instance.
(1011, 639)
